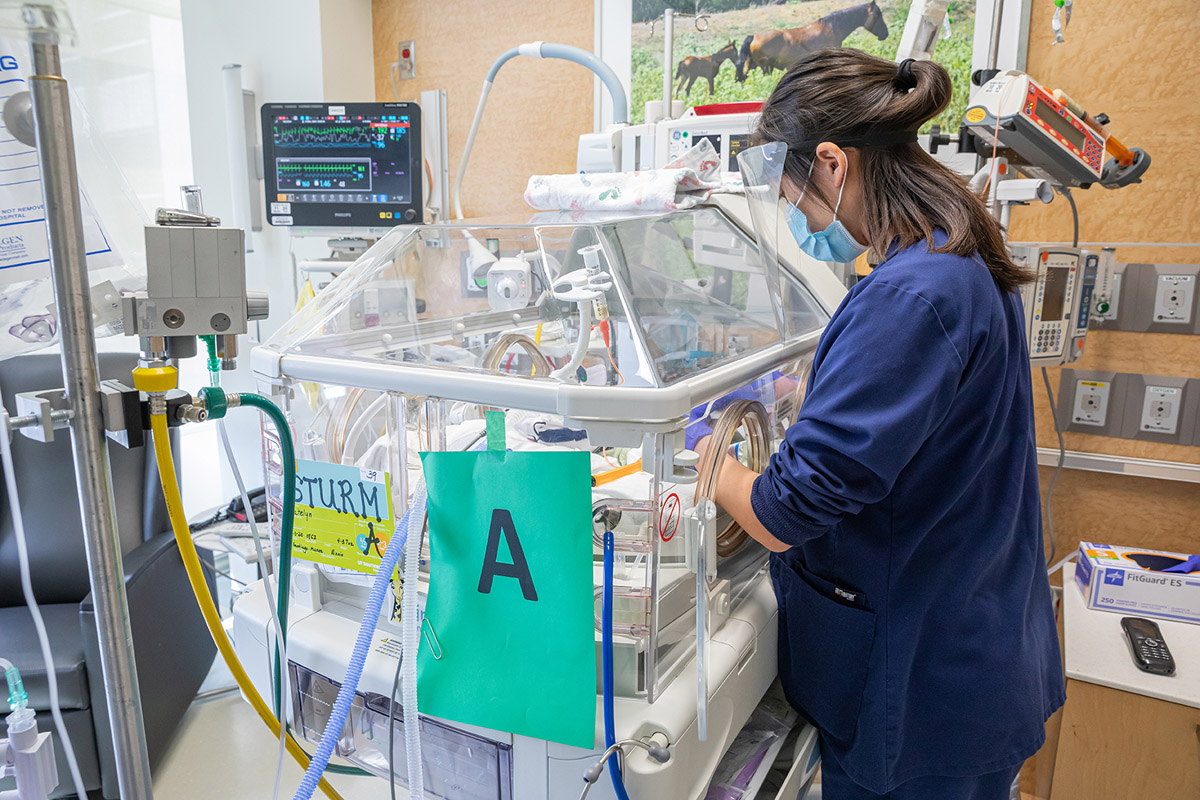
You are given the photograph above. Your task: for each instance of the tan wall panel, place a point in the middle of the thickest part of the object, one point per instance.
(537, 108)
(1123, 510)
(1137, 68)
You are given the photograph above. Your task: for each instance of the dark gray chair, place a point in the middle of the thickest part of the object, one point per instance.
(172, 646)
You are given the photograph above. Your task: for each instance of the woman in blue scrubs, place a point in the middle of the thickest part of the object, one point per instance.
(902, 509)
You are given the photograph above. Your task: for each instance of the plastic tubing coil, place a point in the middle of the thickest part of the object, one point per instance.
(753, 416)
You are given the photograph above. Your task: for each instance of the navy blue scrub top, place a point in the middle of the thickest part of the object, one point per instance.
(916, 627)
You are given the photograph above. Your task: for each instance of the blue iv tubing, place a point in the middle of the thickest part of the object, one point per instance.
(606, 624)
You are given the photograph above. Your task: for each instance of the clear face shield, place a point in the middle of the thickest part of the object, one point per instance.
(762, 176)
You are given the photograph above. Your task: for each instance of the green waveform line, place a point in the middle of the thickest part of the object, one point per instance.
(359, 168)
(321, 129)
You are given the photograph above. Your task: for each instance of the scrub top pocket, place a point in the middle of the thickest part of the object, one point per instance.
(824, 650)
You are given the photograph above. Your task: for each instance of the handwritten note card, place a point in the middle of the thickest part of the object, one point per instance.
(343, 515)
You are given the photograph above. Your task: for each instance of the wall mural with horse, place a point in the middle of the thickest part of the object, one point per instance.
(738, 49)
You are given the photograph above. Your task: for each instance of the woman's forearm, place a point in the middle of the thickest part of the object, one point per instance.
(733, 495)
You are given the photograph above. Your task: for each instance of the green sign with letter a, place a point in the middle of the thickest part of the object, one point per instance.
(510, 618)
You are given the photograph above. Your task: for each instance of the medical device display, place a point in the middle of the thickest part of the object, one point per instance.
(1058, 302)
(728, 126)
(623, 326)
(342, 165)
(1047, 135)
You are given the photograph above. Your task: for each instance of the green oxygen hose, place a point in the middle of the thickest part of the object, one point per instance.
(285, 537)
(284, 578)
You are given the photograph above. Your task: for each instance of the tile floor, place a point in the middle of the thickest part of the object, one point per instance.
(222, 750)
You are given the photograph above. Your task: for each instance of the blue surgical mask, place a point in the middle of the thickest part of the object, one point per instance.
(832, 244)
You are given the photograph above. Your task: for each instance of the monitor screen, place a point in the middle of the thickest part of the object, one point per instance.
(1055, 296)
(1059, 123)
(342, 164)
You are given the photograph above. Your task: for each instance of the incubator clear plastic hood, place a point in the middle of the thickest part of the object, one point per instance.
(686, 303)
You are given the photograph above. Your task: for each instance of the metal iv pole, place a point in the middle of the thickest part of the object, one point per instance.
(68, 265)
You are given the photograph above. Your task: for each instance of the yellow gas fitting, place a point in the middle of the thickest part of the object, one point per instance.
(155, 379)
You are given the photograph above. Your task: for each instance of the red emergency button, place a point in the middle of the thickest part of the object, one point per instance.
(406, 53)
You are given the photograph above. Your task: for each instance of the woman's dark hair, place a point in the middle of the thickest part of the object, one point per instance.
(846, 95)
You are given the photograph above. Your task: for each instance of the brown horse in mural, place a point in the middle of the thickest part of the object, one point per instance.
(779, 49)
(695, 67)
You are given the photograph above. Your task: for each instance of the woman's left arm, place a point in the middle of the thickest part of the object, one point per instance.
(887, 378)
(733, 495)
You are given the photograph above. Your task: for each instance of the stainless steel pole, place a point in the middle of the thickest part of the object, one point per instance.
(68, 263)
(668, 65)
(994, 42)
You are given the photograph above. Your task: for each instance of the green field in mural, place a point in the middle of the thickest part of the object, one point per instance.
(733, 26)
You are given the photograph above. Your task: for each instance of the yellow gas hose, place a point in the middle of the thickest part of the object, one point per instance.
(191, 563)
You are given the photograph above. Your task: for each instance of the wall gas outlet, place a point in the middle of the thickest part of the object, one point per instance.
(1163, 298)
(1160, 409)
(1091, 403)
(1173, 298)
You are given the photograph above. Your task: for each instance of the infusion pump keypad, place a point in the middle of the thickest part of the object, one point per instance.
(1049, 340)
(1054, 303)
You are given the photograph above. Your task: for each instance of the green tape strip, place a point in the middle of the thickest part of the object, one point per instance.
(496, 439)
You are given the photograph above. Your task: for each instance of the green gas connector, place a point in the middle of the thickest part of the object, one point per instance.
(214, 361)
(17, 698)
(215, 401)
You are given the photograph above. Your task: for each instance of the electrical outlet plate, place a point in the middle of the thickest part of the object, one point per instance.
(1091, 403)
(1173, 299)
(1160, 409)
(406, 61)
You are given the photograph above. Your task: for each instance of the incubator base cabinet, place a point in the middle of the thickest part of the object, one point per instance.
(464, 762)
(605, 334)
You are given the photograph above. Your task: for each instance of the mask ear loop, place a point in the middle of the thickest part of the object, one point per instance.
(807, 178)
(841, 188)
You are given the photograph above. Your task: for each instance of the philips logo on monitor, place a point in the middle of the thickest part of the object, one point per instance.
(1114, 577)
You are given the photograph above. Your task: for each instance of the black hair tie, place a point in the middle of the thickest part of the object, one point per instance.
(905, 79)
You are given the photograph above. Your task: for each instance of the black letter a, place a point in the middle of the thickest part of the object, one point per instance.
(502, 523)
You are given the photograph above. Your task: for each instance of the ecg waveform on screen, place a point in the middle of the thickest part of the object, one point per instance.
(325, 136)
(307, 132)
(323, 173)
